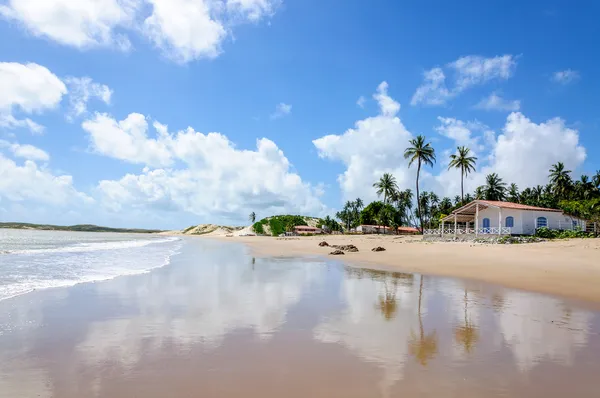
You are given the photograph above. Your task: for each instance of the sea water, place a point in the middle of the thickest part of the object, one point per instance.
(32, 260)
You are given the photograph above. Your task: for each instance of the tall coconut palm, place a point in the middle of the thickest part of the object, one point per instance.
(479, 193)
(252, 217)
(560, 178)
(513, 193)
(422, 153)
(596, 179)
(461, 160)
(495, 188)
(386, 186)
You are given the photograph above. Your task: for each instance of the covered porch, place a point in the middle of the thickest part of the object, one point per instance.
(466, 221)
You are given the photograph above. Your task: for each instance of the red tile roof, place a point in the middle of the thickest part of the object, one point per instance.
(408, 229)
(516, 206)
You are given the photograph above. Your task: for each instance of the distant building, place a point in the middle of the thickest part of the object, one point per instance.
(380, 229)
(487, 217)
(305, 230)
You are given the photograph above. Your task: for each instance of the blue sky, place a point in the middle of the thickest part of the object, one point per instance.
(516, 81)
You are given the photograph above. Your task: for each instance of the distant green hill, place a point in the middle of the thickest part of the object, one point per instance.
(79, 228)
(277, 225)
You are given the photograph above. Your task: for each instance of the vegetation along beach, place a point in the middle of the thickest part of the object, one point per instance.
(299, 199)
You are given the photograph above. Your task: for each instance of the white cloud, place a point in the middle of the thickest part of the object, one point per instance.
(10, 122)
(361, 101)
(496, 103)
(473, 69)
(211, 177)
(374, 146)
(565, 76)
(253, 10)
(30, 183)
(466, 72)
(281, 110)
(388, 106)
(462, 133)
(522, 153)
(81, 90)
(29, 88)
(184, 30)
(433, 91)
(81, 23)
(128, 140)
(26, 151)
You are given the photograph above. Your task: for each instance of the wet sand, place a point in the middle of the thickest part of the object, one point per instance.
(569, 268)
(218, 322)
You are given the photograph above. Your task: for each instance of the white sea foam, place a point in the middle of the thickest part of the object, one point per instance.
(49, 260)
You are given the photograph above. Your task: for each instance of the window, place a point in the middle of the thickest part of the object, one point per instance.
(510, 222)
(575, 224)
(541, 222)
(486, 223)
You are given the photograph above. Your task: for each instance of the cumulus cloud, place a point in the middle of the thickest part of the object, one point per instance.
(33, 184)
(81, 90)
(281, 110)
(26, 151)
(27, 88)
(522, 153)
(202, 174)
(465, 72)
(565, 76)
(81, 23)
(374, 146)
(128, 140)
(184, 30)
(496, 103)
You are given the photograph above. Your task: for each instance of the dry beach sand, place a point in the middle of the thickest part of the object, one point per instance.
(569, 268)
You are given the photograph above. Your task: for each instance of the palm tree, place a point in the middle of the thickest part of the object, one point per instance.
(596, 179)
(513, 193)
(252, 217)
(560, 179)
(386, 186)
(359, 204)
(465, 163)
(495, 188)
(479, 193)
(422, 153)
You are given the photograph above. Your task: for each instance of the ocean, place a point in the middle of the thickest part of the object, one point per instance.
(32, 260)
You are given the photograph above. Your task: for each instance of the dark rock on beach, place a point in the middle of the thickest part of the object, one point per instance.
(378, 249)
(337, 252)
(322, 244)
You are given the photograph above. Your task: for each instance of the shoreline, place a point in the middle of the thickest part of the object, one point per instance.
(569, 268)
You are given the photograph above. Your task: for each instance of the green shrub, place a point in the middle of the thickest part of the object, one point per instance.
(555, 234)
(258, 228)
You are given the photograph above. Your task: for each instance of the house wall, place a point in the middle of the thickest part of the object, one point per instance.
(492, 214)
(525, 220)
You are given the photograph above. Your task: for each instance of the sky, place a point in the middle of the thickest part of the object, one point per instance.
(170, 113)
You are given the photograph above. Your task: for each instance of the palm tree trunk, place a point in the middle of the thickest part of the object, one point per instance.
(418, 197)
(462, 189)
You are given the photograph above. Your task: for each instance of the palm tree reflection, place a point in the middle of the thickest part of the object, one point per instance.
(423, 347)
(467, 334)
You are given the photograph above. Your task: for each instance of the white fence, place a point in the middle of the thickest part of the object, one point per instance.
(469, 231)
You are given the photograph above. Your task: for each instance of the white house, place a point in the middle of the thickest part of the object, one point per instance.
(505, 218)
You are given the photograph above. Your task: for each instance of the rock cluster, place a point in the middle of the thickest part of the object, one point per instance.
(346, 248)
(337, 252)
(378, 249)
